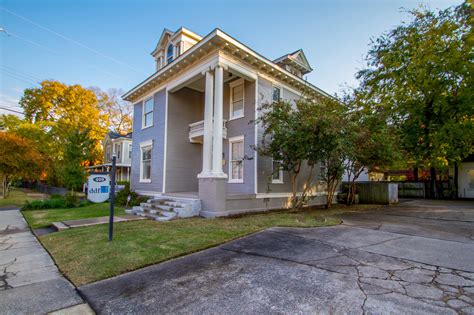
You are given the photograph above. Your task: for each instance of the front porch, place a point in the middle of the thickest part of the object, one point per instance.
(197, 157)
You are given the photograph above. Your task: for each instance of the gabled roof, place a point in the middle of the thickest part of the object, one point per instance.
(296, 58)
(166, 32)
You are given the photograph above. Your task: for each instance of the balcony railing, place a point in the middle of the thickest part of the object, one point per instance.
(196, 131)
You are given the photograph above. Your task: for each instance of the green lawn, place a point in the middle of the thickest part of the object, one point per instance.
(17, 197)
(85, 256)
(44, 218)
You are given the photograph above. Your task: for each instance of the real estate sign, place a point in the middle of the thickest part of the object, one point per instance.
(98, 187)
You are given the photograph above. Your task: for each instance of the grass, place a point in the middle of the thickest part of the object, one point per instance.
(85, 256)
(17, 197)
(43, 218)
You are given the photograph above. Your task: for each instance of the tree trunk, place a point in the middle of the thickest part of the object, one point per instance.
(415, 173)
(433, 182)
(294, 190)
(456, 180)
(4, 187)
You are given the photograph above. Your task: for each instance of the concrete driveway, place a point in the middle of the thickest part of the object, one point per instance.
(417, 257)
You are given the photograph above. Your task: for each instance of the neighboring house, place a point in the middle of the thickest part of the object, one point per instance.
(121, 146)
(194, 128)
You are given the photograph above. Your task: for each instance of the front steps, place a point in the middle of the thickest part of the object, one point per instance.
(165, 208)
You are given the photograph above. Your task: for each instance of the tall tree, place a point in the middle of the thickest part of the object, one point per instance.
(299, 136)
(118, 111)
(422, 73)
(370, 143)
(18, 159)
(56, 110)
(77, 148)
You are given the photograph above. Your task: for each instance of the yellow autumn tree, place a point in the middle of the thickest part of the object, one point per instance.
(56, 111)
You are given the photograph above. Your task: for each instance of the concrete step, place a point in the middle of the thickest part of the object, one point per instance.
(59, 226)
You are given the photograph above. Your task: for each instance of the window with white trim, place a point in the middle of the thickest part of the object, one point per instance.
(276, 96)
(277, 172)
(130, 151)
(117, 151)
(236, 159)
(236, 99)
(145, 163)
(169, 54)
(148, 113)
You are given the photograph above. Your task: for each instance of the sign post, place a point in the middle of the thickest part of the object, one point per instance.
(112, 198)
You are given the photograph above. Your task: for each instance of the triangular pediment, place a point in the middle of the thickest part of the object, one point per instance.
(295, 60)
(165, 35)
(300, 58)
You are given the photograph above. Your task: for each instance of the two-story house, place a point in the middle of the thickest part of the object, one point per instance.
(194, 131)
(121, 146)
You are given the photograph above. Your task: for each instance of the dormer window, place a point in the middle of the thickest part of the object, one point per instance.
(169, 54)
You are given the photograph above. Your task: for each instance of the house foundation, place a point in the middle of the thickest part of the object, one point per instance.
(213, 192)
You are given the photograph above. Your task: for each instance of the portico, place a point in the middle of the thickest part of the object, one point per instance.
(195, 120)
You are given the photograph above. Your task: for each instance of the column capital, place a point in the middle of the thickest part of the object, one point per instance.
(219, 64)
(206, 70)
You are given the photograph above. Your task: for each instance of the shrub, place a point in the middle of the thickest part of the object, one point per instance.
(135, 199)
(56, 196)
(45, 204)
(56, 202)
(72, 201)
(122, 182)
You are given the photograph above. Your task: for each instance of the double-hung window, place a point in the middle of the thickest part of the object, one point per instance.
(276, 96)
(148, 113)
(277, 172)
(145, 162)
(169, 54)
(117, 151)
(236, 99)
(236, 159)
(130, 151)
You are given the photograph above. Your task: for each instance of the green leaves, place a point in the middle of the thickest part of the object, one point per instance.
(421, 75)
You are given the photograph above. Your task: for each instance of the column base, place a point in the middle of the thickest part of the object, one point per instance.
(213, 192)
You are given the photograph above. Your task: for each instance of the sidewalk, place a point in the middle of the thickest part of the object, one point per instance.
(29, 280)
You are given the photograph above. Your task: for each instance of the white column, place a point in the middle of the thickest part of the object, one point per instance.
(207, 136)
(218, 123)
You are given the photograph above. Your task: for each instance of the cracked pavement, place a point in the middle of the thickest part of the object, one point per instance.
(30, 282)
(417, 257)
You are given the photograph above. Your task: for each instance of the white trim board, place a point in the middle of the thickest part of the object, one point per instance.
(165, 143)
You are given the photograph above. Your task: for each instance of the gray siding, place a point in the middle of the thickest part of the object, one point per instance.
(155, 133)
(264, 166)
(184, 159)
(238, 127)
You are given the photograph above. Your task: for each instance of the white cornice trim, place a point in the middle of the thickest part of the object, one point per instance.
(229, 40)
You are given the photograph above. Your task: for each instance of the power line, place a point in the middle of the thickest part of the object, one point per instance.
(18, 78)
(58, 54)
(11, 110)
(70, 40)
(20, 73)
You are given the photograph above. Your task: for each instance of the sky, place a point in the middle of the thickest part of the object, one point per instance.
(107, 44)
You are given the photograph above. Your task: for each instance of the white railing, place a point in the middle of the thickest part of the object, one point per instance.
(196, 131)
